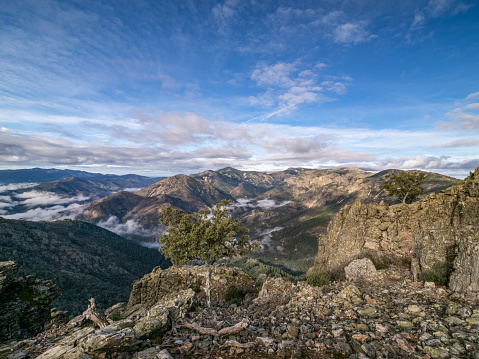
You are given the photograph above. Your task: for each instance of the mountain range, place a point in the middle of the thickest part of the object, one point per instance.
(285, 210)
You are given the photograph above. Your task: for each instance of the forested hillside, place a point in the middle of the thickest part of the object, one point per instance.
(85, 260)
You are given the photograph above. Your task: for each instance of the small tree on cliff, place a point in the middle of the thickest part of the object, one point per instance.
(204, 237)
(406, 186)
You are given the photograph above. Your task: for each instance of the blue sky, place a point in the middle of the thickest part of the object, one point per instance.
(167, 87)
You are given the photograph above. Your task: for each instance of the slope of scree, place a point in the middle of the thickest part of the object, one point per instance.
(276, 319)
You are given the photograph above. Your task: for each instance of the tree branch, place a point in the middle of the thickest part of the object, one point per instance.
(238, 327)
(92, 314)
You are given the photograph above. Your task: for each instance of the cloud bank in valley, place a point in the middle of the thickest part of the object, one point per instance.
(130, 227)
(262, 203)
(39, 205)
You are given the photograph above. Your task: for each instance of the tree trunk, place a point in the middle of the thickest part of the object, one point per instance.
(404, 199)
(208, 284)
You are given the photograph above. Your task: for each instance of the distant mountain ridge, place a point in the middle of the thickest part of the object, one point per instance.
(286, 210)
(60, 179)
(43, 175)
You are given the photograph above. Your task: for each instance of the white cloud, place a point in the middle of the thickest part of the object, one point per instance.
(434, 9)
(289, 85)
(130, 227)
(15, 186)
(351, 33)
(263, 203)
(466, 142)
(40, 198)
(463, 118)
(472, 96)
(225, 13)
(53, 213)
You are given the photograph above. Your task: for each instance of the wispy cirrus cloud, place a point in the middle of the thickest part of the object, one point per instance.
(351, 33)
(434, 9)
(465, 117)
(289, 85)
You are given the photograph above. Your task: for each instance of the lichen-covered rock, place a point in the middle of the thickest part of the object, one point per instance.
(361, 269)
(431, 231)
(466, 275)
(156, 322)
(25, 303)
(275, 290)
(159, 283)
(153, 353)
(108, 339)
(7, 271)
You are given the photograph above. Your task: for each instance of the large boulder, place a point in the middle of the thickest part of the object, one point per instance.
(25, 303)
(361, 269)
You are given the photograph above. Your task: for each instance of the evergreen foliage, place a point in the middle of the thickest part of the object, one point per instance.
(204, 237)
(406, 186)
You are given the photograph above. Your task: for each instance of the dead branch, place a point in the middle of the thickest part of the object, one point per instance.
(92, 314)
(234, 343)
(238, 327)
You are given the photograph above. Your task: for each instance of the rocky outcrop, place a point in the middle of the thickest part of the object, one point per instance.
(432, 232)
(25, 303)
(160, 283)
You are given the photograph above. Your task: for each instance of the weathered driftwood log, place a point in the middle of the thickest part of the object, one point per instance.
(238, 327)
(92, 314)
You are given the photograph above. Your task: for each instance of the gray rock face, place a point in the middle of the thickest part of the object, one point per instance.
(7, 271)
(466, 275)
(432, 232)
(25, 304)
(361, 269)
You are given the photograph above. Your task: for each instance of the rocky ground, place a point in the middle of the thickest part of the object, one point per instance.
(286, 320)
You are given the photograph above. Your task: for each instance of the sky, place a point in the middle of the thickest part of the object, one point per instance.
(165, 87)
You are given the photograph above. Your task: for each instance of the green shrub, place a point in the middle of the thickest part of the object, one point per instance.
(380, 261)
(116, 315)
(234, 295)
(337, 274)
(439, 274)
(196, 288)
(318, 279)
